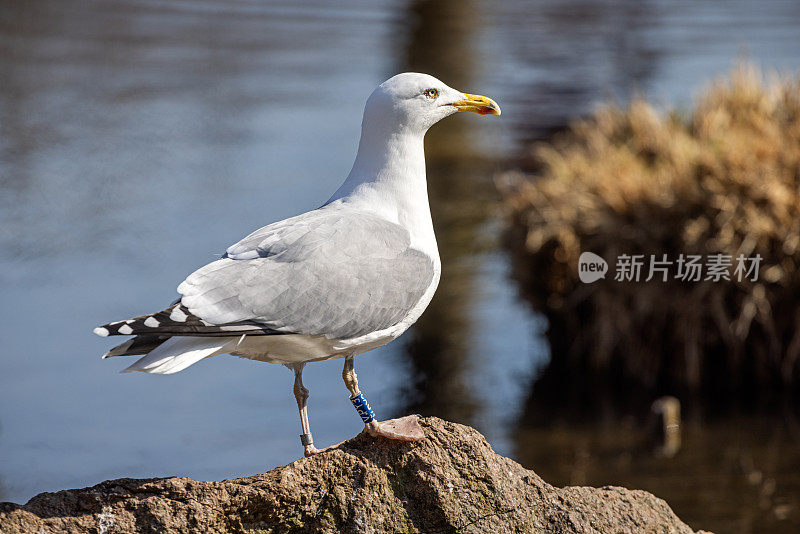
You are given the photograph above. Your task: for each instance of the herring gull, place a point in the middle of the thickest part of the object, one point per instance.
(335, 282)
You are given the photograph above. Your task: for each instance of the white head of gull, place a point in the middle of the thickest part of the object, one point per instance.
(334, 282)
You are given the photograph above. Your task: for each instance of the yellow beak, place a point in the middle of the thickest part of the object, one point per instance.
(477, 104)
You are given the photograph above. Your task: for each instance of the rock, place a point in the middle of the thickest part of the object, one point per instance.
(452, 481)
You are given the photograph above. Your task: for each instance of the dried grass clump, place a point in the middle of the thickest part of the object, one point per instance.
(633, 181)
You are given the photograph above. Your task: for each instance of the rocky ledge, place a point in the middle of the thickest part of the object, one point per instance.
(452, 481)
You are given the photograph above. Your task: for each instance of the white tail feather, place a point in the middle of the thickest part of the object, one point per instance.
(177, 353)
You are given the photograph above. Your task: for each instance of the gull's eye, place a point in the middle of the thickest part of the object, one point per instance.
(432, 93)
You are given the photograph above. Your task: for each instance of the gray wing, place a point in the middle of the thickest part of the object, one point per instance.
(330, 272)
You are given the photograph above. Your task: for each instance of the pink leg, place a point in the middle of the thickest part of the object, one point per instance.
(404, 428)
(301, 394)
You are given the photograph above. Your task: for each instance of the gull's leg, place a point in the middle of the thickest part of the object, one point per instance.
(301, 394)
(405, 428)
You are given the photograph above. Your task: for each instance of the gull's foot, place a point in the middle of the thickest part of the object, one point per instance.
(404, 429)
(311, 450)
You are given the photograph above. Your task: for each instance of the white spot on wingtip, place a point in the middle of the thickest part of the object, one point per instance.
(152, 322)
(125, 329)
(100, 331)
(178, 315)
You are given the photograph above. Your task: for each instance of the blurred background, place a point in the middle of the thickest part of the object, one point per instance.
(138, 139)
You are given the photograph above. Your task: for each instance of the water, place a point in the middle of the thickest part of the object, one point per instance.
(737, 475)
(139, 139)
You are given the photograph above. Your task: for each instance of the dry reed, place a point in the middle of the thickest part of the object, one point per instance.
(723, 180)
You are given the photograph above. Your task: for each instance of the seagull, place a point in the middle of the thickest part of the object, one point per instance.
(335, 282)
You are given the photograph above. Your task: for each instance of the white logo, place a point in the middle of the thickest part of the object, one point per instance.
(687, 268)
(591, 267)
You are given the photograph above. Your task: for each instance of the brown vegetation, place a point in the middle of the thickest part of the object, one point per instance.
(724, 180)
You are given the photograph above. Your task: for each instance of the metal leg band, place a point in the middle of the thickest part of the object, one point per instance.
(363, 408)
(306, 439)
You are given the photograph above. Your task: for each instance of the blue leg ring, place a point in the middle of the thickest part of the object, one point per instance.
(363, 408)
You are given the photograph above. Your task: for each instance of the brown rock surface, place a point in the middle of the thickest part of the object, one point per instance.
(450, 482)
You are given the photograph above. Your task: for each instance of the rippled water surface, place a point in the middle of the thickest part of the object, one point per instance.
(139, 139)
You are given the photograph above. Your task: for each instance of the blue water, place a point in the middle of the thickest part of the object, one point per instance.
(139, 139)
